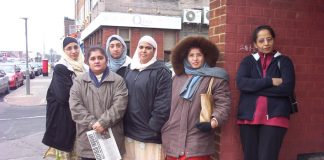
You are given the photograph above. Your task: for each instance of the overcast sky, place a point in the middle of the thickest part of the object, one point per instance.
(45, 24)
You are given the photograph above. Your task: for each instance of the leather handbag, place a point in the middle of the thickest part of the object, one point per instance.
(292, 98)
(207, 104)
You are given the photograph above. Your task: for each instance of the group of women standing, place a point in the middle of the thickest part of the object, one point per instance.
(154, 116)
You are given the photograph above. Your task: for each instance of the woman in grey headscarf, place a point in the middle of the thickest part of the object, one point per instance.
(116, 49)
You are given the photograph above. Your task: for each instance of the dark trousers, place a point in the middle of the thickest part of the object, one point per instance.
(87, 158)
(261, 142)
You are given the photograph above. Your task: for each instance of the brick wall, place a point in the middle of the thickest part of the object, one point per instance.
(299, 29)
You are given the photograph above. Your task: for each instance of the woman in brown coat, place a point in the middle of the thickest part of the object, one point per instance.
(98, 100)
(183, 136)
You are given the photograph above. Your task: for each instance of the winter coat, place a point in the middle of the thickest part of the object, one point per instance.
(251, 84)
(121, 71)
(148, 102)
(60, 128)
(180, 135)
(106, 104)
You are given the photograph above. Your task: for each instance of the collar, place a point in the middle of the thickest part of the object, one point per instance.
(256, 56)
(111, 77)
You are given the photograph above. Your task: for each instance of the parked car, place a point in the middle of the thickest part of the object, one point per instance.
(169, 65)
(4, 82)
(16, 77)
(37, 68)
(30, 68)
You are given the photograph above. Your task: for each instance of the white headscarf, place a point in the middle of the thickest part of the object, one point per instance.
(77, 66)
(136, 64)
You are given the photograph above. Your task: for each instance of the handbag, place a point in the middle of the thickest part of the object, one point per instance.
(292, 98)
(207, 104)
(293, 104)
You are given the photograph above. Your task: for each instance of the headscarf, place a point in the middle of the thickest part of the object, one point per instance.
(135, 63)
(192, 84)
(77, 66)
(115, 64)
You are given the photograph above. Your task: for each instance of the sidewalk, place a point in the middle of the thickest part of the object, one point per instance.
(37, 96)
(29, 147)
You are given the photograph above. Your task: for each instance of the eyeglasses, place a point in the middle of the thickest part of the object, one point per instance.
(263, 40)
(75, 47)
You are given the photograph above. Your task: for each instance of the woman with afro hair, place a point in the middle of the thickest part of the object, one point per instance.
(184, 136)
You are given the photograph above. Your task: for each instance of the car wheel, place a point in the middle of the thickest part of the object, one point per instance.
(8, 88)
(16, 84)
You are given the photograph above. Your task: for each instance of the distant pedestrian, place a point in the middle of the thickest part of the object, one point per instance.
(266, 79)
(149, 83)
(60, 128)
(184, 136)
(98, 101)
(116, 49)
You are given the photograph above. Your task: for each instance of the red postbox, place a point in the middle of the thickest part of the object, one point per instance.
(45, 67)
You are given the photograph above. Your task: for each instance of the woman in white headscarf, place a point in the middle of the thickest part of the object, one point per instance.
(149, 86)
(60, 128)
(116, 49)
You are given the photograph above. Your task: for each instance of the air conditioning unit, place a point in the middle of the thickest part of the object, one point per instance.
(192, 16)
(206, 15)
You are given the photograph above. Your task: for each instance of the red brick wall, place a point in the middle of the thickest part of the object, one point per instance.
(158, 36)
(299, 26)
(106, 33)
(136, 35)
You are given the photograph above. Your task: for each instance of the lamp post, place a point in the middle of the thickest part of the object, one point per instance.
(27, 68)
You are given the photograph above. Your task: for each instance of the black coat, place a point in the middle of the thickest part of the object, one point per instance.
(149, 102)
(252, 84)
(60, 128)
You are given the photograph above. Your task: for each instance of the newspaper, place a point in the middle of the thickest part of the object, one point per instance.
(104, 146)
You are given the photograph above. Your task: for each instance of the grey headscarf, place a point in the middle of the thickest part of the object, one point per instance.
(115, 64)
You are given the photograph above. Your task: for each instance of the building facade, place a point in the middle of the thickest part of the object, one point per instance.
(166, 21)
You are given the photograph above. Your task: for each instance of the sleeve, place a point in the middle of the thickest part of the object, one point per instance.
(162, 101)
(80, 113)
(116, 112)
(222, 101)
(61, 84)
(287, 72)
(244, 80)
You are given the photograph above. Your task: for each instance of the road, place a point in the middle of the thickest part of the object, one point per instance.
(22, 129)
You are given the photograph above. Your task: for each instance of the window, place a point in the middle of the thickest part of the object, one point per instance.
(169, 41)
(125, 34)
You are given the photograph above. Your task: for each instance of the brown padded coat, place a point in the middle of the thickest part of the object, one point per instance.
(106, 104)
(180, 135)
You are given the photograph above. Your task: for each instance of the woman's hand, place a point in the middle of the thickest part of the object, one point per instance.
(276, 81)
(213, 123)
(98, 128)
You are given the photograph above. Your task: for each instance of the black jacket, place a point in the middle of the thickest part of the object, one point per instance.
(252, 85)
(60, 128)
(121, 71)
(149, 102)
